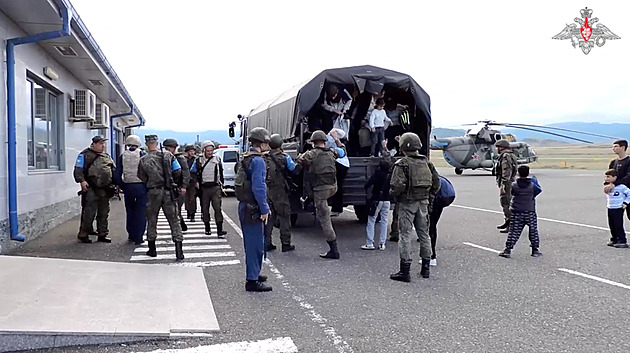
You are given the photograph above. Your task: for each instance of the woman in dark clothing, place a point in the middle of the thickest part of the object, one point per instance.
(378, 205)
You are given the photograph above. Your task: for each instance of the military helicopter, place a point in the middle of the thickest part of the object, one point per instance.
(476, 150)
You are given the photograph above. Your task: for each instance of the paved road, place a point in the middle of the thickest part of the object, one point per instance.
(474, 301)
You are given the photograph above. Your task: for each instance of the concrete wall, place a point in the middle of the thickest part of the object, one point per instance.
(45, 198)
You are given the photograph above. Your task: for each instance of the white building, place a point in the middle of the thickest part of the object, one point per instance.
(64, 90)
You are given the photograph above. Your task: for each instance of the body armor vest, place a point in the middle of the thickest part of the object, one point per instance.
(130, 161)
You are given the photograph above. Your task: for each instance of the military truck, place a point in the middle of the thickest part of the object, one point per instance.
(295, 115)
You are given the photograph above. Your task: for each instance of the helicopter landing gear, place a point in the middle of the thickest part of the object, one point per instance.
(459, 171)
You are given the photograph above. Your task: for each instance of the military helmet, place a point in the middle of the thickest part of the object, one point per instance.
(170, 143)
(133, 140)
(207, 143)
(259, 134)
(503, 143)
(318, 135)
(410, 142)
(276, 141)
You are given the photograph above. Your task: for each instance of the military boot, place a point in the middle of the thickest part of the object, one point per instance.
(208, 231)
(257, 286)
(183, 224)
(287, 247)
(425, 270)
(179, 252)
(403, 274)
(220, 232)
(152, 250)
(333, 253)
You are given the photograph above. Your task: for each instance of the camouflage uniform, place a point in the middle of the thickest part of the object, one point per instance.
(322, 180)
(184, 182)
(413, 201)
(506, 175)
(278, 194)
(151, 171)
(99, 177)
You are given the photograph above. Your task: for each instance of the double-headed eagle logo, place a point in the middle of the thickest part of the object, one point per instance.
(588, 34)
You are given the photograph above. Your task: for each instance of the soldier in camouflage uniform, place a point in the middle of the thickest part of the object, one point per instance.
(161, 171)
(279, 166)
(94, 170)
(505, 174)
(413, 180)
(171, 146)
(320, 166)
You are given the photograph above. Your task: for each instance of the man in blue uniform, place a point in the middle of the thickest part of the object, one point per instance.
(253, 209)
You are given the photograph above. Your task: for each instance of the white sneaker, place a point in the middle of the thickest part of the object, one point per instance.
(367, 247)
(381, 247)
(433, 262)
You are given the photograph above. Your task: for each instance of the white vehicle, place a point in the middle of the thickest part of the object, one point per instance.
(229, 158)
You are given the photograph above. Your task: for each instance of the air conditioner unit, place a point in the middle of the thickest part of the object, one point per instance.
(84, 105)
(102, 117)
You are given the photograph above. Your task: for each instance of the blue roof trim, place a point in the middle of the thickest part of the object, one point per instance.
(84, 34)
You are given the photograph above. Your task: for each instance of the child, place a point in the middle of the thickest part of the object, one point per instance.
(365, 139)
(524, 192)
(618, 200)
(378, 205)
(378, 117)
(444, 197)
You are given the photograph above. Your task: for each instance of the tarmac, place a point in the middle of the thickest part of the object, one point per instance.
(573, 299)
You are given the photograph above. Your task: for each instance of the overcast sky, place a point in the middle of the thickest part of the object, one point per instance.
(194, 65)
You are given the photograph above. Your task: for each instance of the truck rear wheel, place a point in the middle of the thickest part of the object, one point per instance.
(361, 212)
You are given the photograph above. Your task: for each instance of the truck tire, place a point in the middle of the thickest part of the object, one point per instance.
(294, 218)
(361, 212)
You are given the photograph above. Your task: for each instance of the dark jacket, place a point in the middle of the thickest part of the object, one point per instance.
(623, 170)
(380, 182)
(523, 195)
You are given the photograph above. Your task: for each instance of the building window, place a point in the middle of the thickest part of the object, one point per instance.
(44, 127)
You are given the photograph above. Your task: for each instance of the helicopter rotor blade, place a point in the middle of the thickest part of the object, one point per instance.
(568, 130)
(550, 133)
(558, 129)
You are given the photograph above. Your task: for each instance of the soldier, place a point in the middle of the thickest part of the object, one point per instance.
(320, 166)
(160, 171)
(505, 174)
(414, 178)
(279, 165)
(94, 170)
(191, 189)
(171, 146)
(126, 175)
(209, 170)
(253, 209)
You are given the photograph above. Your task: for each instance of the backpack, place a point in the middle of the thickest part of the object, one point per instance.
(243, 180)
(323, 170)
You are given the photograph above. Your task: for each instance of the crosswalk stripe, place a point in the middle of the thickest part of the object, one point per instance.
(188, 256)
(171, 247)
(162, 236)
(205, 263)
(189, 241)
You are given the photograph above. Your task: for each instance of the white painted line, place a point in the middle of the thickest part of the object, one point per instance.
(595, 278)
(189, 248)
(206, 263)
(190, 241)
(539, 218)
(338, 342)
(271, 345)
(187, 256)
(348, 209)
(482, 247)
(168, 236)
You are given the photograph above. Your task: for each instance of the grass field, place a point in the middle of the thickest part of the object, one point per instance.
(560, 157)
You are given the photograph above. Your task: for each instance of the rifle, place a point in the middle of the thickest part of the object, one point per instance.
(168, 178)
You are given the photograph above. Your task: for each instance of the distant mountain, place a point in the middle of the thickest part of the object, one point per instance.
(183, 138)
